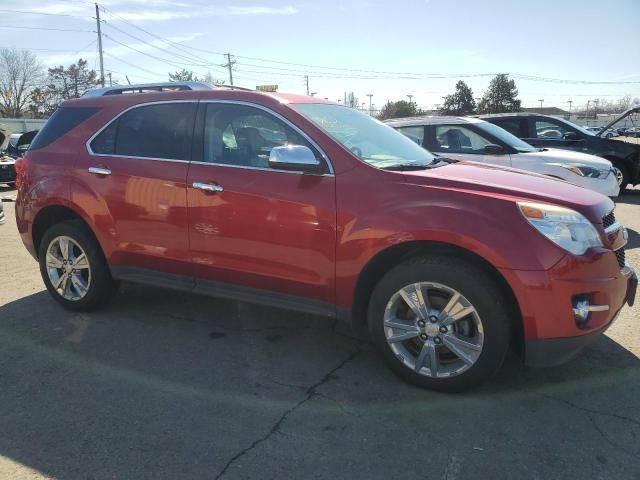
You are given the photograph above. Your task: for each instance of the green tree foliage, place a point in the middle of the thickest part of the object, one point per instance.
(62, 83)
(500, 97)
(460, 102)
(399, 109)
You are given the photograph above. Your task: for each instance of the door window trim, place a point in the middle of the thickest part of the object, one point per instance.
(115, 119)
(283, 119)
(198, 103)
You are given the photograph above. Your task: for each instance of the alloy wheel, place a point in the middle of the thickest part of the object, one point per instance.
(619, 175)
(68, 268)
(433, 329)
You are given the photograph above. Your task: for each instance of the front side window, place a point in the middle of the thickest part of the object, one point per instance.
(162, 131)
(414, 133)
(243, 136)
(459, 139)
(368, 139)
(549, 131)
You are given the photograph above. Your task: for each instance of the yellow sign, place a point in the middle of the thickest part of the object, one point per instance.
(267, 88)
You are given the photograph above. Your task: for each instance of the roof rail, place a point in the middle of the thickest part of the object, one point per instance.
(147, 87)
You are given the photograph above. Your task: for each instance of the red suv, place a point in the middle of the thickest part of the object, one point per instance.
(293, 202)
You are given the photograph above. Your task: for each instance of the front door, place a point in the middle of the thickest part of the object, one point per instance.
(138, 165)
(462, 143)
(251, 227)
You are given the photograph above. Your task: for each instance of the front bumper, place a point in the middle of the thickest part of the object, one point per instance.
(551, 333)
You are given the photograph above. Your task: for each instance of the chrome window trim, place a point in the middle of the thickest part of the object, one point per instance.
(331, 172)
(137, 105)
(286, 122)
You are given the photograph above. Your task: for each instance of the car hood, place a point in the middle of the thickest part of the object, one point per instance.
(518, 184)
(556, 155)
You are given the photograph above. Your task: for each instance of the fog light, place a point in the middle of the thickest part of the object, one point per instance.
(582, 309)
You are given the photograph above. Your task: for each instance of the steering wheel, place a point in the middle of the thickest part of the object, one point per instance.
(356, 151)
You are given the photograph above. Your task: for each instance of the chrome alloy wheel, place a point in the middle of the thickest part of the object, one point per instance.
(619, 175)
(433, 329)
(68, 268)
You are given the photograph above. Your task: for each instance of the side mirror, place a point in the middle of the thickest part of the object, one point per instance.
(571, 136)
(493, 149)
(294, 157)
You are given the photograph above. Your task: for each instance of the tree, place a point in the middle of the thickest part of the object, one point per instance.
(500, 97)
(185, 75)
(399, 109)
(352, 100)
(62, 84)
(20, 74)
(460, 102)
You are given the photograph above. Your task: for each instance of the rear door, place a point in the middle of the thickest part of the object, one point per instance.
(257, 229)
(138, 165)
(464, 143)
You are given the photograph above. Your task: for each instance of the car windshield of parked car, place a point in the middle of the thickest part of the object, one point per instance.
(506, 137)
(367, 138)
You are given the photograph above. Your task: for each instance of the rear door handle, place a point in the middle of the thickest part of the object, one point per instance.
(208, 187)
(99, 171)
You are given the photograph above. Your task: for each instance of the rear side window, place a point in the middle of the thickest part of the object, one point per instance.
(63, 120)
(152, 131)
(515, 126)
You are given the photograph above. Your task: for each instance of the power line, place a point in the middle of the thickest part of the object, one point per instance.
(49, 29)
(32, 12)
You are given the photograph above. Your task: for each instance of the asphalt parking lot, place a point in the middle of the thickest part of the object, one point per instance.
(176, 386)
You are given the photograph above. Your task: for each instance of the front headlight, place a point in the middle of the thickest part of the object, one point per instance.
(585, 171)
(565, 227)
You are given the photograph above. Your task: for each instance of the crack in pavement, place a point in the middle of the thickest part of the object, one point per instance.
(310, 393)
(590, 410)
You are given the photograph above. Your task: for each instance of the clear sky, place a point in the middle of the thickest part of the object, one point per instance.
(345, 42)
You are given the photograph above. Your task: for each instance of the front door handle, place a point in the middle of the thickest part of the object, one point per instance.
(99, 171)
(208, 187)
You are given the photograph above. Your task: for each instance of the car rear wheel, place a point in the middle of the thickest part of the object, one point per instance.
(74, 269)
(440, 323)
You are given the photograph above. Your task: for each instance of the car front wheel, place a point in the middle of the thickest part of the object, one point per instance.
(440, 323)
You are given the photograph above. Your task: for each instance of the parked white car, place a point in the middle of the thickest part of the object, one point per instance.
(472, 139)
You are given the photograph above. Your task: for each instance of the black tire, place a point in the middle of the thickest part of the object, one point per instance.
(474, 284)
(625, 174)
(101, 287)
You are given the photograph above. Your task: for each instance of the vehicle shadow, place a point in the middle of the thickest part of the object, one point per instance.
(631, 196)
(170, 385)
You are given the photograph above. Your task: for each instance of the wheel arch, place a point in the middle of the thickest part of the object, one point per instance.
(51, 215)
(383, 261)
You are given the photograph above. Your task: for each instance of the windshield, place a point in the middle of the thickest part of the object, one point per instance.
(367, 138)
(504, 136)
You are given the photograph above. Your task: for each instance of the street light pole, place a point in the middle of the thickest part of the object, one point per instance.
(370, 107)
(410, 102)
(541, 100)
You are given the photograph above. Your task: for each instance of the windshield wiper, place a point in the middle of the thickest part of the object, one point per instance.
(438, 158)
(406, 166)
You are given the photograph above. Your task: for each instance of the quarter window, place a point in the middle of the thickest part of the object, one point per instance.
(244, 136)
(153, 131)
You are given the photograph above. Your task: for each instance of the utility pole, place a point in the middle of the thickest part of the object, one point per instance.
(541, 100)
(411, 103)
(100, 45)
(110, 81)
(306, 81)
(569, 102)
(230, 65)
(370, 107)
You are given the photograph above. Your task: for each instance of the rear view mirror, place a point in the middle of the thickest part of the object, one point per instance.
(493, 149)
(294, 157)
(571, 136)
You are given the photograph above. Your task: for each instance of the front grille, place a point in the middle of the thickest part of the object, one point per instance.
(620, 256)
(608, 219)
